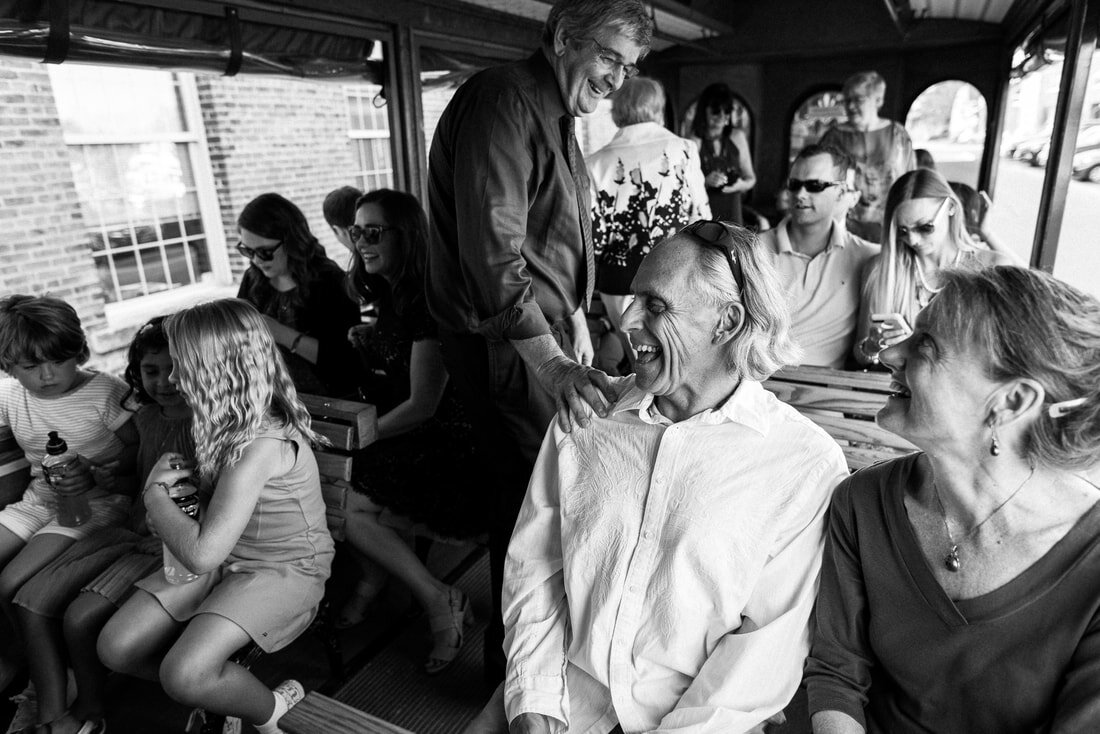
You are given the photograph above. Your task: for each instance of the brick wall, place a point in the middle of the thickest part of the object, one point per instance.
(280, 135)
(43, 245)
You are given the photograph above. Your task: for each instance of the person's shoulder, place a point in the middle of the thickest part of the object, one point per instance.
(769, 239)
(863, 250)
(107, 382)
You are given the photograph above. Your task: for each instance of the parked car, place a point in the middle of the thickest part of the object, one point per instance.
(1085, 157)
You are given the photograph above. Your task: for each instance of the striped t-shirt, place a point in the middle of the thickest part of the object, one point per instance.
(86, 418)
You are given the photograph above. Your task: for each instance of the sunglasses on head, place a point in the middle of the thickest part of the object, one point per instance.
(263, 254)
(813, 185)
(924, 229)
(717, 235)
(368, 234)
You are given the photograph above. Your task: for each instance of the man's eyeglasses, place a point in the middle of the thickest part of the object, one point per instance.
(263, 254)
(612, 60)
(812, 185)
(717, 235)
(369, 234)
(925, 229)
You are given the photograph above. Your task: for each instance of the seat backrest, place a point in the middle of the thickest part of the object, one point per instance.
(844, 404)
(15, 470)
(348, 425)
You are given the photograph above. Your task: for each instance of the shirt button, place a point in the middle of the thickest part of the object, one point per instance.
(660, 480)
(633, 589)
(647, 535)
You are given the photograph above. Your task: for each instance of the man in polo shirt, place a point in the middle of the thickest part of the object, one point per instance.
(819, 262)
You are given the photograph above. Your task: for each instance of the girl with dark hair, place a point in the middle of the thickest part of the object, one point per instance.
(422, 466)
(723, 153)
(299, 291)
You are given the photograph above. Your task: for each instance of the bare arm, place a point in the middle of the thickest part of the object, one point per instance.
(427, 381)
(748, 175)
(835, 722)
(203, 545)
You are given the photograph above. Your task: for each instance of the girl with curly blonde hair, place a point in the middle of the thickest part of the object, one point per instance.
(261, 548)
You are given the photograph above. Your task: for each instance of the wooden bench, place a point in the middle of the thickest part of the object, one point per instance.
(15, 470)
(319, 714)
(844, 404)
(349, 425)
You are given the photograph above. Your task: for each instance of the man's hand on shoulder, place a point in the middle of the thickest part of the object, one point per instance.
(577, 390)
(530, 723)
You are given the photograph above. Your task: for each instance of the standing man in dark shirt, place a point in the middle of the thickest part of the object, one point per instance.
(510, 268)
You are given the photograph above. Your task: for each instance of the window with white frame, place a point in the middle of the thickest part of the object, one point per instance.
(369, 130)
(142, 176)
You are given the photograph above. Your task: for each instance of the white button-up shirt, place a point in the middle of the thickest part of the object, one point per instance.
(661, 575)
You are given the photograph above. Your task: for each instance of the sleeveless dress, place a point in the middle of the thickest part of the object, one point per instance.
(726, 207)
(272, 581)
(428, 474)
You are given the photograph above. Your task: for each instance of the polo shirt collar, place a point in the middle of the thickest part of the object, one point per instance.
(747, 406)
(837, 238)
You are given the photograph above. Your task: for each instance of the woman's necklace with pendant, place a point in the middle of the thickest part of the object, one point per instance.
(951, 560)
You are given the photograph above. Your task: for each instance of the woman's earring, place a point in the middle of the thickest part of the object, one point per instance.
(995, 445)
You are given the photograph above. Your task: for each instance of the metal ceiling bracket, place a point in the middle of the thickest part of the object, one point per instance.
(236, 47)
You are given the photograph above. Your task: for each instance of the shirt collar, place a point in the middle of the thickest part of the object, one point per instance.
(547, 84)
(746, 406)
(837, 237)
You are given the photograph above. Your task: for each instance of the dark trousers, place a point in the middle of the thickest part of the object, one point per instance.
(510, 412)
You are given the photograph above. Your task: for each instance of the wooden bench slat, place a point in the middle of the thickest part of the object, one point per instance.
(363, 416)
(868, 381)
(853, 429)
(818, 397)
(342, 435)
(333, 466)
(318, 714)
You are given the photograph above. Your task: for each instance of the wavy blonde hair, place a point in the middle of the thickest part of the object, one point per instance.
(234, 379)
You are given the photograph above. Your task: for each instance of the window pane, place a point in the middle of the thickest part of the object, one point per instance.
(1078, 258)
(814, 117)
(155, 277)
(948, 120)
(116, 101)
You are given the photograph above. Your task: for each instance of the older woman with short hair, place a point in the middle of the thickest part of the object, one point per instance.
(960, 590)
(646, 185)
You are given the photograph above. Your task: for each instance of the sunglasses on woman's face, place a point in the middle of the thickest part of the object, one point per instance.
(925, 229)
(812, 185)
(717, 235)
(368, 234)
(263, 254)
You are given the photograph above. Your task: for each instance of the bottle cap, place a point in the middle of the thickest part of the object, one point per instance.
(56, 445)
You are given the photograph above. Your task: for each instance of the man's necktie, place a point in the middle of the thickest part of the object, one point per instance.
(580, 183)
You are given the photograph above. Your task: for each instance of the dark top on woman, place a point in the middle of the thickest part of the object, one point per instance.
(727, 160)
(326, 314)
(427, 474)
(892, 649)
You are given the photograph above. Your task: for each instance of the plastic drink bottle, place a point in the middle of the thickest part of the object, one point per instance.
(186, 497)
(72, 507)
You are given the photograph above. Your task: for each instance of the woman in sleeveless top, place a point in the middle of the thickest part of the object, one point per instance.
(926, 234)
(723, 153)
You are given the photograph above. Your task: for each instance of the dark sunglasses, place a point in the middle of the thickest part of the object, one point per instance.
(263, 254)
(370, 234)
(925, 229)
(717, 235)
(813, 185)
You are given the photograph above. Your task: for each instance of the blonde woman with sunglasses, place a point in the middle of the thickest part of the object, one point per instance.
(299, 291)
(924, 233)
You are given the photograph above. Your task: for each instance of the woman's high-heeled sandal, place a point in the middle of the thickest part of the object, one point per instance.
(458, 618)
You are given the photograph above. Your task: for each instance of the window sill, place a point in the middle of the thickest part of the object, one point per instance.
(135, 312)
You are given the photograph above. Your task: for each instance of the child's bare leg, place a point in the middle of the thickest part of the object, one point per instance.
(136, 638)
(197, 671)
(20, 560)
(46, 660)
(84, 619)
